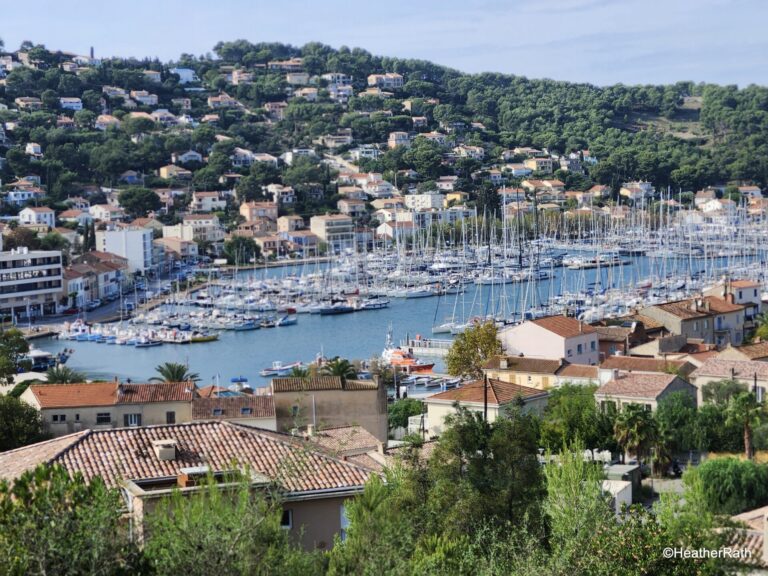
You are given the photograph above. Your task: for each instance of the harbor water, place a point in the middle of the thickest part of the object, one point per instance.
(356, 336)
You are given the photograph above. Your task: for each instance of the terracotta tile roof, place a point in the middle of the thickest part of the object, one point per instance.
(754, 351)
(524, 364)
(752, 537)
(682, 309)
(210, 391)
(231, 407)
(564, 326)
(721, 306)
(578, 371)
(613, 333)
(745, 284)
(306, 384)
(648, 322)
(128, 453)
(637, 385)
(159, 392)
(14, 463)
(107, 394)
(319, 383)
(721, 368)
(639, 364)
(74, 395)
(345, 440)
(499, 393)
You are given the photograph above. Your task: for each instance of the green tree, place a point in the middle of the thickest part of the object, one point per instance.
(340, 367)
(219, 530)
(731, 486)
(174, 372)
(138, 202)
(20, 423)
(240, 250)
(635, 430)
(401, 410)
(13, 347)
(299, 372)
(54, 523)
(63, 375)
(471, 349)
(676, 417)
(572, 416)
(721, 391)
(575, 506)
(485, 473)
(745, 411)
(488, 202)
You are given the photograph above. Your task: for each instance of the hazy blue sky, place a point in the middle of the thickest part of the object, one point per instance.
(599, 41)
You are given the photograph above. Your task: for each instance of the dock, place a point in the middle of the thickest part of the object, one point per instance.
(427, 346)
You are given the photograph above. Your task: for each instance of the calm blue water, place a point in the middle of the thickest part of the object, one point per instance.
(355, 336)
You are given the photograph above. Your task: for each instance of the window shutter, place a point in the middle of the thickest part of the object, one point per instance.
(125, 420)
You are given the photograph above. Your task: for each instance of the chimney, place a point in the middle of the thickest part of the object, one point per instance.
(503, 363)
(615, 373)
(165, 449)
(310, 430)
(581, 327)
(706, 305)
(189, 477)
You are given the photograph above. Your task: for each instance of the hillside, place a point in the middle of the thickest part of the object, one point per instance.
(685, 136)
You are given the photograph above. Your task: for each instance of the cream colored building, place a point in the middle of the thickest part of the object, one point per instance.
(473, 396)
(553, 337)
(327, 401)
(68, 408)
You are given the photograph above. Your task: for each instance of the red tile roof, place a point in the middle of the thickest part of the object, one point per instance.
(107, 394)
(127, 453)
(639, 364)
(564, 326)
(319, 383)
(524, 364)
(637, 385)
(232, 407)
(499, 393)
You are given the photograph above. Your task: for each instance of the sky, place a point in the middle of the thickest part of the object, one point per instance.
(598, 41)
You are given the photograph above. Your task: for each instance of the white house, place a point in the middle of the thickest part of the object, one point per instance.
(71, 104)
(553, 337)
(33, 149)
(186, 75)
(188, 156)
(135, 244)
(37, 216)
(424, 201)
(106, 213)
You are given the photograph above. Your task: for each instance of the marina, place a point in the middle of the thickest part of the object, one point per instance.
(248, 320)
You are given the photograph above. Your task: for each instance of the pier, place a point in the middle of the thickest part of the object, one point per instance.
(426, 346)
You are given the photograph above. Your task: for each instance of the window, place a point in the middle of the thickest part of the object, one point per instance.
(59, 418)
(529, 378)
(648, 407)
(103, 418)
(570, 352)
(579, 348)
(246, 411)
(760, 393)
(170, 417)
(132, 419)
(592, 345)
(740, 295)
(286, 522)
(218, 412)
(344, 523)
(77, 417)
(608, 406)
(695, 325)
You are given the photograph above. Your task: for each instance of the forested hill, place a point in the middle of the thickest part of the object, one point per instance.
(684, 135)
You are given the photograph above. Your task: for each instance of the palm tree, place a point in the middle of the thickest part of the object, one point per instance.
(635, 430)
(340, 367)
(174, 372)
(63, 375)
(299, 372)
(745, 410)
